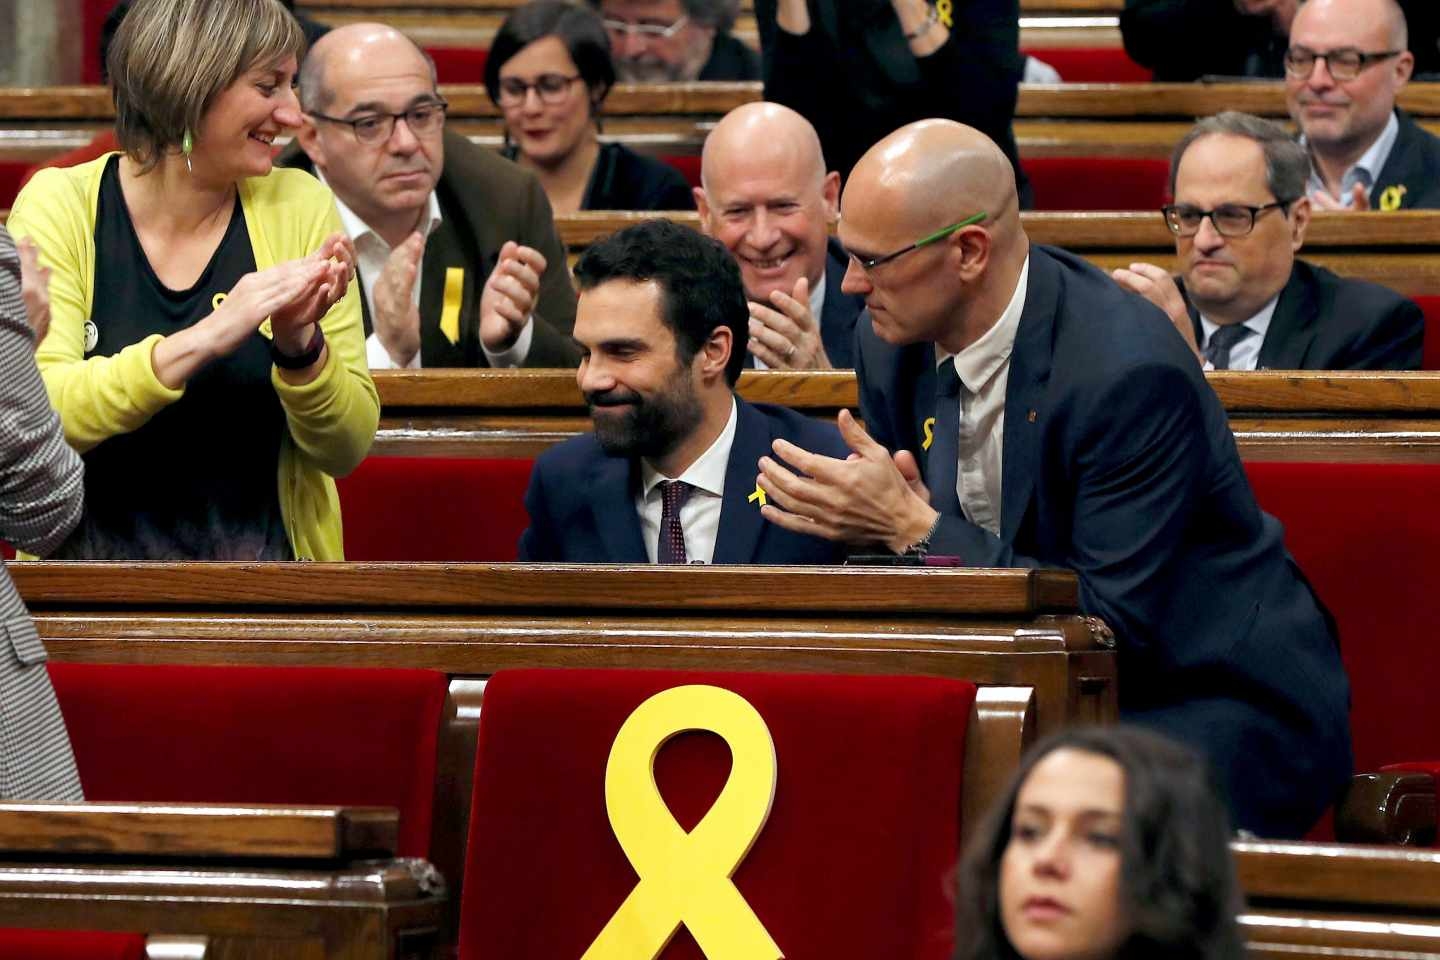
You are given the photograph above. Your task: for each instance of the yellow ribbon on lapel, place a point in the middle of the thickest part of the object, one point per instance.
(929, 426)
(450, 309)
(685, 877)
(1391, 197)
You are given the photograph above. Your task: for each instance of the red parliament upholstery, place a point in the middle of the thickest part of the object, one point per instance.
(303, 735)
(459, 64)
(70, 945)
(1431, 351)
(1098, 183)
(434, 508)
(1365, 535)
(1092, 64)
(853, 861)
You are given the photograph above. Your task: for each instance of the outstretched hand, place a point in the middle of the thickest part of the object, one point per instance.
(869, 497)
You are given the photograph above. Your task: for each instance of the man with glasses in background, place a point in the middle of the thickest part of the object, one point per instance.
(1025, 411)
(1243, 301)
(666, 41)
(457, 252)
(1347, 62)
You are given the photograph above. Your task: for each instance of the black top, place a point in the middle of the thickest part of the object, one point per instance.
(853, 75)
(199, 481)
(625, 180)
(730, 59)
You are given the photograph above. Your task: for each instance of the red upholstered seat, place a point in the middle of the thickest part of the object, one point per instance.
(1098, 183)
(1092, 64)
(11, 173)
(434, 508)
(1365, 535)
(459, 64)
(688, 165)
(304, 735)
(853, 862)
(70, 945)
(1431, 351)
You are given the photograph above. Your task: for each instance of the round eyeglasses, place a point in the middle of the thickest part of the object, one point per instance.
(551, 88)
(650, 31)
(1344, 64)
(423, 118)
(1229, 219)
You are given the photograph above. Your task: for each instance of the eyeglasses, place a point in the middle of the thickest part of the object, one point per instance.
(422, 118)
(1343, 64)
(870, 263)
(551, 88)
(649, 30)
(1229, 219)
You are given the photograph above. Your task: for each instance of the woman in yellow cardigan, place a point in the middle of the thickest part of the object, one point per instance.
(205, 350)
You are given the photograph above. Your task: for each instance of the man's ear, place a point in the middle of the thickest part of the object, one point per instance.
(703, 206)
(1300, 212)
(830, 193)
(714, 355)
(309, 139)
(969, 251)
(1404, 67)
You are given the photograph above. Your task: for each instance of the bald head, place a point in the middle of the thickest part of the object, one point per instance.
(1379, 18)
(348, 53)
(758, 135)
(767, 197)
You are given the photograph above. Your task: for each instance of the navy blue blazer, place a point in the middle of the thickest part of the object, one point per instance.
(1412, 170)
(1326, 322)
(840, 310)
(1119, 464)
(581, 500)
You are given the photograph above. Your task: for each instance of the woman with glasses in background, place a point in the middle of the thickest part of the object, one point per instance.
(549, 71)
(204, 349)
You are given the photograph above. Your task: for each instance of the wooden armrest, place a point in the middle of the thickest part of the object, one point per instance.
(38, 831)
(1388, 808)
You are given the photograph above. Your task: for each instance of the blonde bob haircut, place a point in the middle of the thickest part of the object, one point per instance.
(170, 59)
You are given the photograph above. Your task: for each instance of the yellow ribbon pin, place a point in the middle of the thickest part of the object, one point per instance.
(1390, 197)
(945, 9)
(685, 877)
(929, 426)
(757, 495)
(450, 306)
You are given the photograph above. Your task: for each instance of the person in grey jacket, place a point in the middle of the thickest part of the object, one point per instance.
(41, 498)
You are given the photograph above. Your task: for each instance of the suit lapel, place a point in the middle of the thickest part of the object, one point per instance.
(1291, 326)
(838, 312)
(1404, 169)
(612, 504)
(740, 520)
(1025, 391)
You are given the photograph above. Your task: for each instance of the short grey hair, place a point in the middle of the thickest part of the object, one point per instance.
(1287, 165)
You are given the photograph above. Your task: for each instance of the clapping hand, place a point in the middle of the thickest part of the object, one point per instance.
(509, 296)
(787, 335)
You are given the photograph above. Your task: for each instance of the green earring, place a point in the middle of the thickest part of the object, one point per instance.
(187, 144)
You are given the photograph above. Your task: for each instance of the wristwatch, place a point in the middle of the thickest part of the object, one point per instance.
(285, 361)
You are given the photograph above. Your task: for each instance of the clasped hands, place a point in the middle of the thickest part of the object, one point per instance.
(870, 497)
(294, 294)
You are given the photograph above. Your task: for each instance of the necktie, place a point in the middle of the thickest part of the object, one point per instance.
(671, 548)
(1217, 351)
(942, 460)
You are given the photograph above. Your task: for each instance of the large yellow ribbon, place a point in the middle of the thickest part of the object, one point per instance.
(685, 877)
(450, 305)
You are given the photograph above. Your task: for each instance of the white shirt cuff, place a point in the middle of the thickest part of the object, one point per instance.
(515, 354)
(379, 358)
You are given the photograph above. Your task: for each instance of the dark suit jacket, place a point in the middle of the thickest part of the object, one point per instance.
(625, 180)
(1325, 322)
(581, 500)
(840, 310)
(484, 201)
(853, 75)
(1412, 169)
(1119, 464)
(730, 60)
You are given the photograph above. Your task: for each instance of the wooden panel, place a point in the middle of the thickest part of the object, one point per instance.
(1393, 878)
(30, 831)
(1001, 730)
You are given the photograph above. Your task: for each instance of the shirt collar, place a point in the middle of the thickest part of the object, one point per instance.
(1367, 168)
(817, 299)
(1260, 323)
(356, 228)
(984, 358)
(707, 472)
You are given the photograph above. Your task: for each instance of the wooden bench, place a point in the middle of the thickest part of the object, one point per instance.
(253, 881)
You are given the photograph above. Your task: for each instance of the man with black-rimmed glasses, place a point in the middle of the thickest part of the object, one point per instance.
(457, 254)
(1345, 66)
(1243, 301)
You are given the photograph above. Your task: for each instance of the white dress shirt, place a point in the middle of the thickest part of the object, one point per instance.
(1246, 353)
(371, 253)
(984, 369)
(1366, 169)
(817, 304)
(700, 513)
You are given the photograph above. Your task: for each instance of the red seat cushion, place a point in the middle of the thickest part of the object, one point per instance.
(70, 945)
(459, 64)
(688, 165)
(1431, 308)
(1098, 183)
(1365, 535)
(852, 862)
(434, 508)
(12, 172)
(1092, 64)
(298, 735)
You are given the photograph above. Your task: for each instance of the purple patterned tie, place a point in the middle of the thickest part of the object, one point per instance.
(671, 548)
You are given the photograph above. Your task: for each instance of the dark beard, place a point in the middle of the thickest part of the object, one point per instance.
(650, 428)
